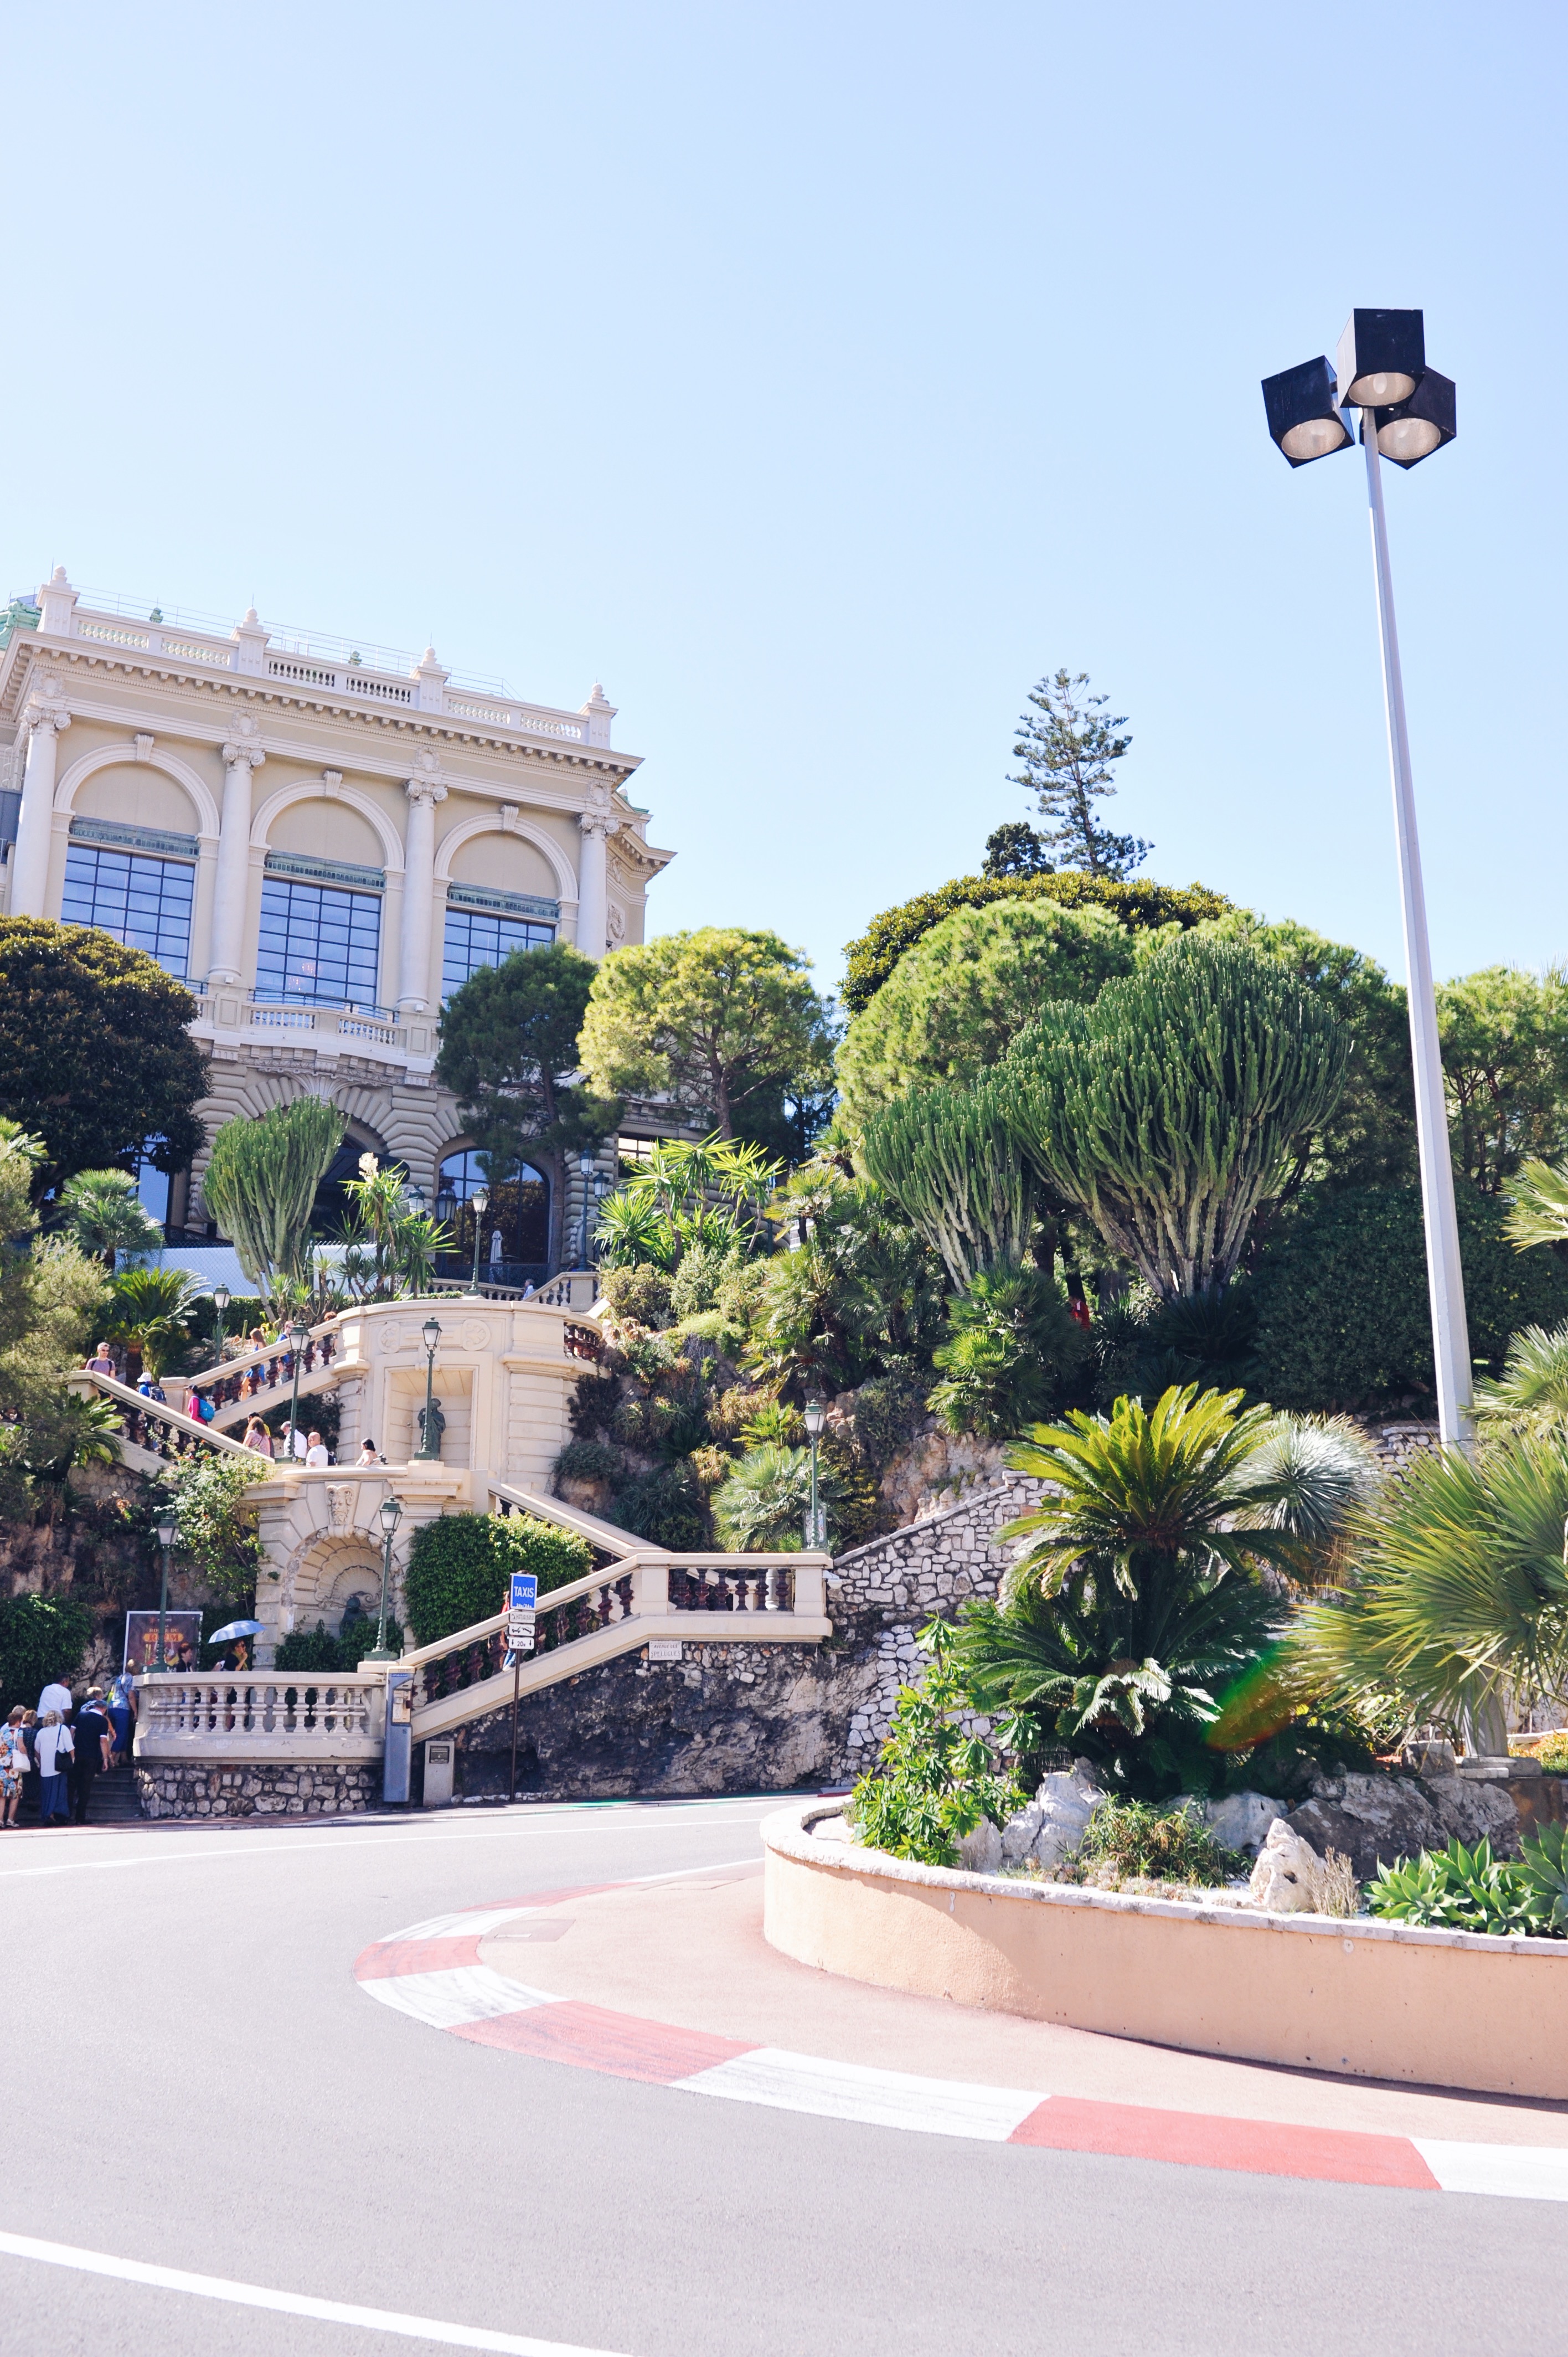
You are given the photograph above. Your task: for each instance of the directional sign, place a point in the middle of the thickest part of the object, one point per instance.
(524, 1592)
(520, 1628)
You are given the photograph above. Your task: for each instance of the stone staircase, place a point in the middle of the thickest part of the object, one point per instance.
(114, 1799)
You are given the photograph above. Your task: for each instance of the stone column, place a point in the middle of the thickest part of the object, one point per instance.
(241, 756)
(593, 891)
(425, 792)
(42, 717)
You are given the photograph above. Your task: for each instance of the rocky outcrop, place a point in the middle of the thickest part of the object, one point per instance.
(1286, 1877)
(1374, 1819)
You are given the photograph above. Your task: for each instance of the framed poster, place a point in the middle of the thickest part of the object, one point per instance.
(182, 1640)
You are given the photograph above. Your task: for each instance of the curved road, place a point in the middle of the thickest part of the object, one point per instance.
(196, 2083)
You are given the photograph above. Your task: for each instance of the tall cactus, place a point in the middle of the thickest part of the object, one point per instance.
(262, 1180)
(1170, 1110)
(950, 1159)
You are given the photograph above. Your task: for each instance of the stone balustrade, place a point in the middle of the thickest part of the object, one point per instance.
(261, 1716)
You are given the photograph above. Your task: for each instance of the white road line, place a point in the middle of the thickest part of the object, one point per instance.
(246, 1845)
(290, 2303)
(852, 2091)
(458, 1927)
(450, 2000)
(1527, 2173)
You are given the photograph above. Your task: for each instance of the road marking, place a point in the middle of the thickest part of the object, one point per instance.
(446, 2000)
(1530, 2173)
(853, 2090)
(290, 2303)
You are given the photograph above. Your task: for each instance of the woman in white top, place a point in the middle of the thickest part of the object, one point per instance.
(14, 1766)
(55, 1749)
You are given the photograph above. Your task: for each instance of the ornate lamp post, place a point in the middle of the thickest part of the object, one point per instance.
(586, 1171)
(221, 1297)
(816, 1417)
(391, 1514)
(429, 1449)
(298, 1335)
(480, 1200)
(166, 1526)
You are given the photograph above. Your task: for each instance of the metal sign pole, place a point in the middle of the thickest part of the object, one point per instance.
(516, 1685)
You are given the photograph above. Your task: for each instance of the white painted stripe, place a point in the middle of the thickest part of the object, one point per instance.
(479, 1920)
(1527, 2173)
(289, 2303)
(850, 2090)
(448, 2000)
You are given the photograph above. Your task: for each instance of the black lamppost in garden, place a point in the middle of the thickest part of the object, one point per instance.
(429, 1448)
(816, 1416)
(480, 1201)
(585, 1172)
(1407, 411)
(391, 1514)
(166, 1527)
(298, 1335)
(221, 1297)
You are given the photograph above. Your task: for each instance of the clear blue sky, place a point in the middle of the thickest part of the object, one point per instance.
(819, 376)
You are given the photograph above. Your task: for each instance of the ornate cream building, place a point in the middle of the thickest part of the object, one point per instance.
(323, 841)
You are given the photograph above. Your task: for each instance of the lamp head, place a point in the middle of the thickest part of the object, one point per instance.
(166, 1527)
(1381, 359)
(585, 1162)
(815, 1412)
(221, 1297)
(391, 1513)
(445, 1205)
(480, 1199)
(431, 1329)
(1303, 412)
(299, 1333)
(1409, 431)
(414, 1198)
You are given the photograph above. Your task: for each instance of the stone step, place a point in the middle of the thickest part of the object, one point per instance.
(114, 1799)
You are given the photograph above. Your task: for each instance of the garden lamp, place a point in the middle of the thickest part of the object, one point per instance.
(1406, 413)
(298, 1335)
(390, 1515)
(585, 1170)
(430, 1446)
(414, 1198)
(221, 1297)
(446, 1206)
(480, 1201)
(166, 1527)
(816, 1416)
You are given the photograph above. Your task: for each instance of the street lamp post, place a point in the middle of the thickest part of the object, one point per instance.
(1407, 411)
(221, 1297)
(429, 1448)
(298, 1335)
(480, 1199)
(816, 1416)
(585, 1172)
(166, 1527)
(391, 1514)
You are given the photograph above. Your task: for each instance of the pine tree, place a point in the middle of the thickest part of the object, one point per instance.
(1069, 748)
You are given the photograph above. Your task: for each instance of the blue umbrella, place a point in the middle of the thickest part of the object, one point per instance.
(235, 1629)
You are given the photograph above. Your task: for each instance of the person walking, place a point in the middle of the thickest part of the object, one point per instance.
(94, 1739)
(120, 1710)
(30, 1787)
(53, 1753)
(56, 1696)
(13, 1765)
(317, 1454)
(100, 1363)
(258, 1437)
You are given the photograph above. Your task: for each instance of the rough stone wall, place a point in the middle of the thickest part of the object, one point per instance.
(251, 1788)
(1398, 1444)
(748, 1716)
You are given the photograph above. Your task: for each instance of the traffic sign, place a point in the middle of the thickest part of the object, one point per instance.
(523, 1594)
(520, 1628)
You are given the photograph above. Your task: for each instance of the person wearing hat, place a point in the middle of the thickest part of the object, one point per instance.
(94, 1742)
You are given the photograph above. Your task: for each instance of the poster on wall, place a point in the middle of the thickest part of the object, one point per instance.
(182, 1640)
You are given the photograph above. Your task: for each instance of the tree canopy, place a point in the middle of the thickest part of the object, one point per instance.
(48, 1291)
(1505, 1067)
(95, 1059)
(509, 1054)
(1070, 749)
(959, 997)
(717, 1020)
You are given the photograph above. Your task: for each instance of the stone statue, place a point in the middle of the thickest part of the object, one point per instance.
(439, 1423)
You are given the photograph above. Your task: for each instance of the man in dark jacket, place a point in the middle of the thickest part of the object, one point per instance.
(94, 1742)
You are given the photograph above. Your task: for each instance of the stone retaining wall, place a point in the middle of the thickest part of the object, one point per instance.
(249, 1788)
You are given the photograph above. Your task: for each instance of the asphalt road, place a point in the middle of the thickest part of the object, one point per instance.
(193, 2081)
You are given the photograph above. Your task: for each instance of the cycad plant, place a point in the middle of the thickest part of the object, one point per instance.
(105, 1216)
(1143, 1592)
(149, 1308)
(260, 1184)
(1175, 1106)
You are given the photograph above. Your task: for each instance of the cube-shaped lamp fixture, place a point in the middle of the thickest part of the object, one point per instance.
(1409, 431)
(1381, 358)
(1303, 413)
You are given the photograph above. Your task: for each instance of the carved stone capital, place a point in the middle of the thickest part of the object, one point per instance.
(244, 752)
(45, 709)
(426, 789)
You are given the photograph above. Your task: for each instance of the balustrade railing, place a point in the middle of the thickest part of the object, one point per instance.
(269, 1369)
(162, 1430)
(259, 1712)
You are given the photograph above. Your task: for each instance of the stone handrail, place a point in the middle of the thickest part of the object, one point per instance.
(261, 1715)
(512, 1498)
(271, 1368)
(152, 1426)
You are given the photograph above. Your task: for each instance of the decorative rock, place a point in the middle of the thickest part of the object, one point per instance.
(1066, 1804)
(1375, 1820)
(1241, 1820)
(1285, 1880)
(981, 1851)
(1021, 1831)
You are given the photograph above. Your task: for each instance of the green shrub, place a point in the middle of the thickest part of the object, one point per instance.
(1459, 1889)
(1552, 1752)
(1012, 1354)
(41, 1638)
(640, 1292)
(314, 1649)
(1141, 1837)
(935, 1784)
(694, 1286)
(460, 1565)
(887, 1410)
(1343, 1316)
(589, 1460)
(669, 1507)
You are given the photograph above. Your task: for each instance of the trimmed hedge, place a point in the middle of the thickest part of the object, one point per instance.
(1340, 1293)
(41, 1638)
(872, 958)
(460, 1564)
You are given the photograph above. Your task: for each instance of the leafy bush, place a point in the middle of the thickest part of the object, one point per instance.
(1344, 1320)
(935, 1784)
(1138, 1837)
(589, 1460)
(41, 1637)
(1012, 1354)
(215, 1525)
(695, 1285)
(314, 1649)
(886, 1411)
(639, 1294)
(460, 1565)
(1460, 1890)
(763, 1505)
(1551, 1751)
(669, 1506)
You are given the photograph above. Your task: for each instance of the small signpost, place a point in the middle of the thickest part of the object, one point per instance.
(522, 1604)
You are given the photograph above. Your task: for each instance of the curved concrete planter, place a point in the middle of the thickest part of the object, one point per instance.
(1377, 2000)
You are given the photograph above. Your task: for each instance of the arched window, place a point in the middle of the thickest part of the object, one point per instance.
(514, 1228)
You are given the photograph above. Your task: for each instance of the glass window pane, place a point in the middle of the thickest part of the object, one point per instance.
(318, 945)
(142, 902)
(477, 937)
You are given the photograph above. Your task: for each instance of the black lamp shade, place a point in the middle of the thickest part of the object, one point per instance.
(1303, 414)
(1381, 359)
(1412, 430)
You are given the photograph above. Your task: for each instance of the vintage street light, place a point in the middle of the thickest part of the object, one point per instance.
(298, 1335)
(1407, 411)
(391, 1514)
(429, 1448)
(221, 1297)
(166, 1527)
(816, 1416)
(480, 1201)
(586, 1171)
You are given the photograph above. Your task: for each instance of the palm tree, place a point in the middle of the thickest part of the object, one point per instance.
(1531, 1393)
(762, 1506)
(148, 1308)
(1160, 1567)
(104, 1215)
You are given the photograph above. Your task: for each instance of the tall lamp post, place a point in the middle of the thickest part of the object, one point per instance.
(166, 1527)
(585, 1172)
(1407, 411)
(391, 1514)
(429, 1449)
(298, 1336)
(480, 1200)
(221, 1297)
(816, 1416)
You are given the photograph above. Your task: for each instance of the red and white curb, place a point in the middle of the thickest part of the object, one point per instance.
(432, 1971)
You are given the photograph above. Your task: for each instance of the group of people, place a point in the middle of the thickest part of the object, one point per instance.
(60, 1750)
(308, 1446)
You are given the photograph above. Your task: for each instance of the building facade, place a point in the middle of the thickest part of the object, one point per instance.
(323, 842)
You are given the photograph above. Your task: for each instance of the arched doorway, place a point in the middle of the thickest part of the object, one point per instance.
(330, 1212)
(514, 1228)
